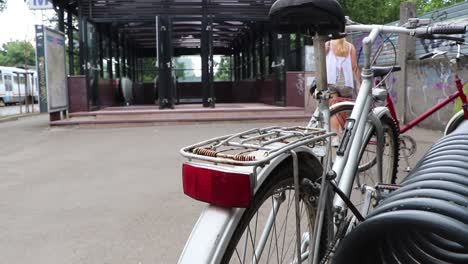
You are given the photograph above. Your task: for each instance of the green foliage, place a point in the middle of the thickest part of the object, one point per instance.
(223, 72)
(180, 70)
(381, 12)
(15, 53)
(149, 69)
(424, 6)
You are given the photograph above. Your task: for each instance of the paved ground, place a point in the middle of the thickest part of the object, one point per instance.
(109, 195)
(16, 109)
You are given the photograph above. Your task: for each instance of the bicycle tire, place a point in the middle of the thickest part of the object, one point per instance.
(391, 133)
(281, 177)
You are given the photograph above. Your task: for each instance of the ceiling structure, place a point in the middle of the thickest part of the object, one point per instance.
(229, 19)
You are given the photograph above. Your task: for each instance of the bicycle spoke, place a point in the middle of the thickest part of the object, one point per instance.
(253, 244)
(276, 235)
(238, 256)
(286, 224)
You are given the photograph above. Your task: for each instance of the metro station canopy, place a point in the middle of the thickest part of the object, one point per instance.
(226, 19)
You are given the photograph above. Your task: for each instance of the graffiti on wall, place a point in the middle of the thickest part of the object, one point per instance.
(430, 84)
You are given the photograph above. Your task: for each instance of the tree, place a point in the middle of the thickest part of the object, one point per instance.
(15, 53)
(180, 70)
(424, 6)
(223, 72)
(2, 5)
(381, 12)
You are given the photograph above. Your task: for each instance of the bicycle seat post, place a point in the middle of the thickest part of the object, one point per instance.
(320, 62)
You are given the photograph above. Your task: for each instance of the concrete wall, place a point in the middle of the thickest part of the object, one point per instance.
(429, 82)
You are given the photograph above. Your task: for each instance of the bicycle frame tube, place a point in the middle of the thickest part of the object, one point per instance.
(429, 112)
(462, 97)
(460, 93)
(345, 166)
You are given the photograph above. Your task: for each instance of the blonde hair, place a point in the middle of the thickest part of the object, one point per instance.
(340, 47)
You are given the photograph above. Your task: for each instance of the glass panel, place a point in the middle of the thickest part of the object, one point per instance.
(1, 78)
(8, 83)
(188, 68)
(223, 68)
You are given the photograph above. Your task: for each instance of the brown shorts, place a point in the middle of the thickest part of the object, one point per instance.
(342, 91)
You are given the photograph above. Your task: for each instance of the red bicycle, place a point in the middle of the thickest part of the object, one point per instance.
(407, 144)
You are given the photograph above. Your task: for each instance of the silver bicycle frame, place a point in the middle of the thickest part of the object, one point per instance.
(346, 166)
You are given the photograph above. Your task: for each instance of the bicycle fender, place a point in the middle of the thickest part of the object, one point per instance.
(381, 111)
(378, 111)
(211, 235)
(216, 225)
(454, 121)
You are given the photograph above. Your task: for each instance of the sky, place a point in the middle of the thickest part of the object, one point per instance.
(17, 21)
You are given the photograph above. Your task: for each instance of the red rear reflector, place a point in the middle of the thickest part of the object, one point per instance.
(216, 187)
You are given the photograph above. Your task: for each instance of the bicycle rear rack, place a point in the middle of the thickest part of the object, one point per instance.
(257, 146)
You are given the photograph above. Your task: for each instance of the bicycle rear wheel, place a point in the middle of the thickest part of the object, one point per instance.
(367, 171)
(280, 247)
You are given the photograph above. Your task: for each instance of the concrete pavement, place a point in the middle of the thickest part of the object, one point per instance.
(17, 109)
(108, 195)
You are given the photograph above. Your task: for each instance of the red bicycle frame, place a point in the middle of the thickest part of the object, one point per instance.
(433, 109)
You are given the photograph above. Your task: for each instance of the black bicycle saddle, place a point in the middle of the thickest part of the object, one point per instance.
(322, 16)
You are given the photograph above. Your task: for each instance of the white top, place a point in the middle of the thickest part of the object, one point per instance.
(339, 67)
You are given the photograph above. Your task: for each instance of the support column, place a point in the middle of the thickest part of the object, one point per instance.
(117, 55)
(280, 61)
(271, 55)
(248, 51)
(165, 60)
(83, 44)
(124, 56)
(61, 18)
(242, 70)
(407, 52)
(253, 47)
(207, 62)
(237, 63)
(100, 39)
(261, 51)
(71, 57)
(286, 47)
(299, 55)
(110, 53)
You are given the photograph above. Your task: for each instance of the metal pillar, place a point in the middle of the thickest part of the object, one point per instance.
(83, 44)
(71, 57)
(207, 62)
(101, 49)
(249, 56)
(286, 46)
(261, 51)
(280, 61)
(61, 18)
(117, 55)
(165, 63)
(109, 47)
(124, 56)
(271, 55)
(298, 51)
(253, 48)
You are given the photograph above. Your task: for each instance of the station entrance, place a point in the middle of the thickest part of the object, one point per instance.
(169, 53)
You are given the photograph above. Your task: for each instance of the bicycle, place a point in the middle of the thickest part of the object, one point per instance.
(407, 142)
(249, 178)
